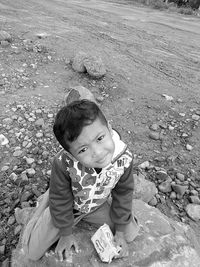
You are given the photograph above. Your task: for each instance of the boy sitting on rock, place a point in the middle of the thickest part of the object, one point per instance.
(91, 180)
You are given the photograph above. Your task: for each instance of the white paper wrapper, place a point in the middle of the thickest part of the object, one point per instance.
(103, 241)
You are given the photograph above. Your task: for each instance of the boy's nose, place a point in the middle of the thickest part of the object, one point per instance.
(97, 153)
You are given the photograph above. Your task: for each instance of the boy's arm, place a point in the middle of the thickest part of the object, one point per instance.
(122, 194)
(61, 198)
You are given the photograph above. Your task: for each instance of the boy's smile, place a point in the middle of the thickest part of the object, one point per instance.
(94, 147)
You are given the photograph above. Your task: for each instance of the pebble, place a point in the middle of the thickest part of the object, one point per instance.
(194, 199)
(165, 187)
(180, 176)
(11, 220)
(154, 135)
(5, 168)
(39, 122)
(173, 195)
(26, 196)
(29, 161)
(30, 172)
(3, 140)
(144, 165)
(179, 189)
(13, 176)
(17, 229)
(154, 127)
(39, 135)
(193, 211)
(17, 153)
(195, 117)
(161, 175)
(153, 201)
(189, 147)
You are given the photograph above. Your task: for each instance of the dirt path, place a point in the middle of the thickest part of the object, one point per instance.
(147, 53)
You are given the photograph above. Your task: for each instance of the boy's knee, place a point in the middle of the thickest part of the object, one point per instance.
(33, 254)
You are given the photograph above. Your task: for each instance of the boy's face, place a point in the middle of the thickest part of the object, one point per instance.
(94, 147)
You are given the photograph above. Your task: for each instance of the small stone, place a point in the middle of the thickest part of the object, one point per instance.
(4, 44)
(30, 172)
(161, 175)
(26, 196)
(17, 229)
(189, 147)
(180, 176)
(24, 177)
(99, 99)
(3, 140)
(193, 211)
(11, 220)
(154, 135)
(7, 120)
(39, 122)
(195, 117)
(167, 97)
(45, 154)
(49, 172)
(25, 143)
(179, 189)
(194, 192)
(39, 135)
(5, 36)
(29, 161)
(35, 150)
(50, 115)
(153, 201)
(195, 199)
(171, 128)
(13, 176)
(165, 187)
(29, 145)
(154, 127)
(144, 165)
(5, 168)
(173, 195)
(17, 153)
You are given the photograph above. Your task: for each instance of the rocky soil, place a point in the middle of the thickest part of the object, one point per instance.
(165, 141)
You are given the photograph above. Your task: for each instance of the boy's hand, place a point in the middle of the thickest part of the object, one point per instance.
(121, 242)
(64, 246)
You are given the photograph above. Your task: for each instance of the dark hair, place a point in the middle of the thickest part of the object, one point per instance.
(71, 119)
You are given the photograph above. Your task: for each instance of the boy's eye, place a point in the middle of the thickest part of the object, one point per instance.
(82, 150)
(100, 137)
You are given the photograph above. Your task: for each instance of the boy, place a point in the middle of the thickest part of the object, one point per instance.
(94, 166)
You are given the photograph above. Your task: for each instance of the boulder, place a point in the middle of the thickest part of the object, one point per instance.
(161, 242)
(92, 64)
(78, 93)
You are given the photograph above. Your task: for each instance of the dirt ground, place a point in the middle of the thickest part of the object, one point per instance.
(147, 53)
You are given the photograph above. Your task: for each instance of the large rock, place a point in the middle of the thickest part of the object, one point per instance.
(161, 242)
(143, 189)
(92, 64)
(78, 93)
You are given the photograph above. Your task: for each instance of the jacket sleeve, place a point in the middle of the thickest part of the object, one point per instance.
(61, 198)
(122, 195)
